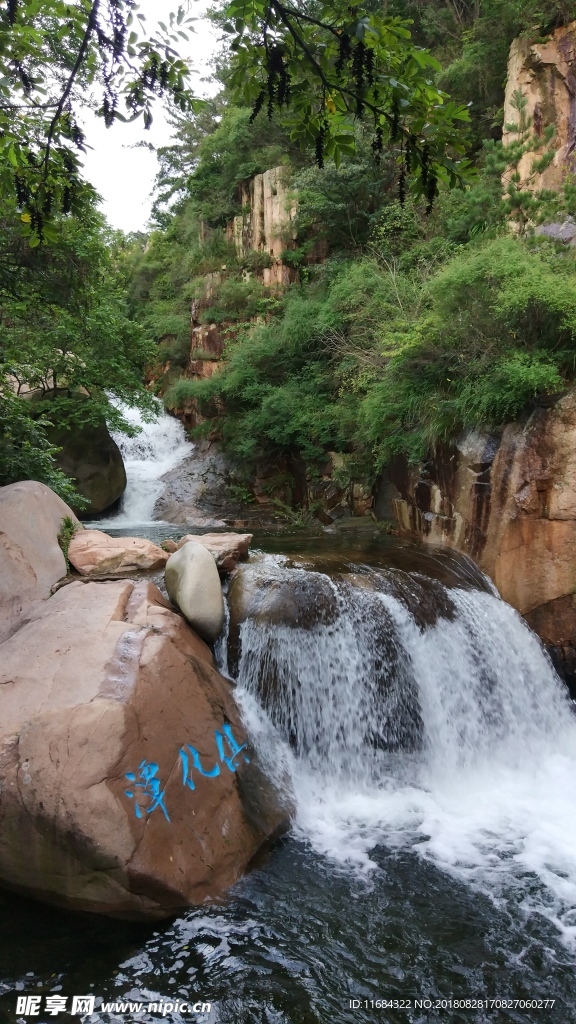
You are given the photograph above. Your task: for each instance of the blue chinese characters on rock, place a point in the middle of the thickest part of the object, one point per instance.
(146, 788)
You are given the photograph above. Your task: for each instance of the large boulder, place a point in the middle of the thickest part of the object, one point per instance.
(90, 455)
(31, 560)
(226, 548)
(193, 585)
(93, 553)
(127, 785)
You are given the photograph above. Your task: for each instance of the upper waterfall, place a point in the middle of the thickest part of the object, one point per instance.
(158, 447)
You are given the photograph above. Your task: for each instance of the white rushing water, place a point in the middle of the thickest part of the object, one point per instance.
(158, 447)
(456, 740)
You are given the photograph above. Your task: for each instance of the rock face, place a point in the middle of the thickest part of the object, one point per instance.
(93, 552)
(92, 458)
(509, 502)
(544, 73)
(31, 561)
(268, 225)
(193, 584)
(126, 783)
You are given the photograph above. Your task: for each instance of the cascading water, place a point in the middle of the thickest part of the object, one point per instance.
(158, 447)
(448, 734)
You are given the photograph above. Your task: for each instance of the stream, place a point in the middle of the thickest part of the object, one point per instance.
(430, 873)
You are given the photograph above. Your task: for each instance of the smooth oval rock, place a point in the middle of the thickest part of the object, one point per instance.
(93, 552)
(193, 585)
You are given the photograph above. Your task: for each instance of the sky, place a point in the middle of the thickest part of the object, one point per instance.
(122, 175)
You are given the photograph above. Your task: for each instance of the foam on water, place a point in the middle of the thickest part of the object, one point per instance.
(158, 447)
(489, 792)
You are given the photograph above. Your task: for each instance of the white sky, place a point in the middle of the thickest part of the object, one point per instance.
(124, 176)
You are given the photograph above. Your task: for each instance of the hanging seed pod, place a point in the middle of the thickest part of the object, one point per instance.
(271, 94)
(37, 224)
(319, 148)
(369, 66)
(358, 58)
(164, 75)
(343, 53)
(21, 189)
(12, 9)
(47, 204)
(258, 104)
(431, 192)
(283, 84)
(378, 143)
(395, 127)
(410, 141)
(425, 166)
(402, 186)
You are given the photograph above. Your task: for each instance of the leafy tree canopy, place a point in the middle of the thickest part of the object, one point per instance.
(324, 63)
(56, 57)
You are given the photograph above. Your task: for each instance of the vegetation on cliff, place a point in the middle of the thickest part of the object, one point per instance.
(417, 323)
(66, 324)
(413, 311)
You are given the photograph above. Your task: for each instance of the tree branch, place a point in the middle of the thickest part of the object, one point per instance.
(68, 88)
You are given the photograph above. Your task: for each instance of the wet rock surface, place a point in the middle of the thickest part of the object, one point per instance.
(284, 621)
(200, 493)
(126, 785)
(509, 502)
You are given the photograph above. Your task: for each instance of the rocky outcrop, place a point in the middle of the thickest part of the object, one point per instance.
(193, 584)
(508, 501)
(31, 561)
(227, 549)
(267, 225)
(94, 553)
(127, 784)
(544, 73)
(91, 457)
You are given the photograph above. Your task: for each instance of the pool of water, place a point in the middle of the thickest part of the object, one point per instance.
(295, 941)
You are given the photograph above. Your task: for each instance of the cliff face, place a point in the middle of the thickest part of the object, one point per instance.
(265, 226)
(267, 223)
(509, 502)
(544, 72)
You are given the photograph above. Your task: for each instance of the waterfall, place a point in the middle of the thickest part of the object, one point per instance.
(158, 447)
(447, 732)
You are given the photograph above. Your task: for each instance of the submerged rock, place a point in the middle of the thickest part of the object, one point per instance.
(193, 584)
(31, 561)
(93, 552)
(287, 625)
(127, 786)
(266, 594)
